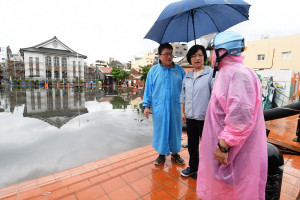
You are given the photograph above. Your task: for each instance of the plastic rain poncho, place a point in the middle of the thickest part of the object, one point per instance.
(162, 90)
(235, 114)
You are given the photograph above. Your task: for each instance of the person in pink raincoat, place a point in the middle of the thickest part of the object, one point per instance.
(233, 154)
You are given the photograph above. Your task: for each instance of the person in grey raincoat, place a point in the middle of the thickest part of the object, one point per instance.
(196, 90)
(162, 92)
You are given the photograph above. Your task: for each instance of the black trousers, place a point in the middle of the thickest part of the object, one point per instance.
(194, 132)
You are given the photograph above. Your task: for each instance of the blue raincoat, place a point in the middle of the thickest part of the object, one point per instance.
(162, 91)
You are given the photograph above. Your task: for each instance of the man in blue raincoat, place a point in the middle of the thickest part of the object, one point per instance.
(162, 91)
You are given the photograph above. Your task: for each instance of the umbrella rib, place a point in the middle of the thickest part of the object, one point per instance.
(167, 28)
(235, 10)
(210, 18)
(187, 28)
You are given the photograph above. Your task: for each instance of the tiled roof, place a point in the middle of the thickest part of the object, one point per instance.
(105, 70)
(53, 51)
(38, 48)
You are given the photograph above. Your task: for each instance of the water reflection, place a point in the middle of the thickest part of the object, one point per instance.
(54, 106)
(45, 131)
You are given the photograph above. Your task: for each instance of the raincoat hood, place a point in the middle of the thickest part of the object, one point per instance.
(227, 60)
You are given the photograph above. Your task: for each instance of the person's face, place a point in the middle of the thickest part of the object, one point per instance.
(166, 57)
(197, 60)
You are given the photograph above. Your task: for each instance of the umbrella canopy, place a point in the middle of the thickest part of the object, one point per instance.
(187, 20)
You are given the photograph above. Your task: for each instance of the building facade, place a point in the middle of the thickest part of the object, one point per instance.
(274, 53)
(179, 49)
(53, 60)
(138, 62)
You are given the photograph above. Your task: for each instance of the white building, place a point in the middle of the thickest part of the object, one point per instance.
(137, 62)
(3, 54)
(53, 60)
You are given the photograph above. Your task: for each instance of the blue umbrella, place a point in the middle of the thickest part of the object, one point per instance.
(187, 20)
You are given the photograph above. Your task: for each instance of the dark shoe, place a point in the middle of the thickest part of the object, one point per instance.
(177, 158)
(160, 159)
(187, 172)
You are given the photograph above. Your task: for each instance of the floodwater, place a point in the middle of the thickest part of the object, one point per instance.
(48, 130)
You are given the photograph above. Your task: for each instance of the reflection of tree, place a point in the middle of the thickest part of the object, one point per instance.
(119, 103)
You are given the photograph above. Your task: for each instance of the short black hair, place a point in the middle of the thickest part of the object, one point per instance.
(164, 46)
(193, 50)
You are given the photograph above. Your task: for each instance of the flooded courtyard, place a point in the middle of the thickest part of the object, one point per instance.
(48, 130)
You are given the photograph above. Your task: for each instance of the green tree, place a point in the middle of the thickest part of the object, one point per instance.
(144, 70)
(207, 63)
(119, 74)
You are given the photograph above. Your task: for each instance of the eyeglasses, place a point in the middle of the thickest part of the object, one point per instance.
(167, 54)
(198, 55)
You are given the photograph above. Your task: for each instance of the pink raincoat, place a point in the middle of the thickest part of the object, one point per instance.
(235, 114)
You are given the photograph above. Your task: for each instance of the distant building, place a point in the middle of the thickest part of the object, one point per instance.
(3, 64)
(274, 53)
(111, 59)
(179, 49)
(105, 75)
(3, 54)
(101, 63)
(137, 62)
(15, 66)
(53, 60)
(135, 79)
(117, 64)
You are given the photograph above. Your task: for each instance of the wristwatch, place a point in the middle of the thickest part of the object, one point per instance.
(223, 149)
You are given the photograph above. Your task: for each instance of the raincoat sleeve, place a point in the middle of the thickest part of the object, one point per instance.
(182, 94)
(147, 99)
(240, 107)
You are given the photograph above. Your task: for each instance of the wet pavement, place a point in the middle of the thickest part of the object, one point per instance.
(130, 175)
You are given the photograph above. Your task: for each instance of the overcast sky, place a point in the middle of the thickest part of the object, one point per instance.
(101, 29)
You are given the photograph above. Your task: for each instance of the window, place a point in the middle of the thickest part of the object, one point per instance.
(64, 62)
(74, 69)
(30, 62)
(64, 68)
(48, 61)
(56, 74)
(261, 57)
(31, 66)
(37, 66)
(286, 55)
(56, 61)
(31, 71)
(79, 69)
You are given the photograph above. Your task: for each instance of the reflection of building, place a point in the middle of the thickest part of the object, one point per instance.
(53, 60)
(136, 103)
(54, 106)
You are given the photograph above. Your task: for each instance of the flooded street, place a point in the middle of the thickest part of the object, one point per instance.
(45, 131)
